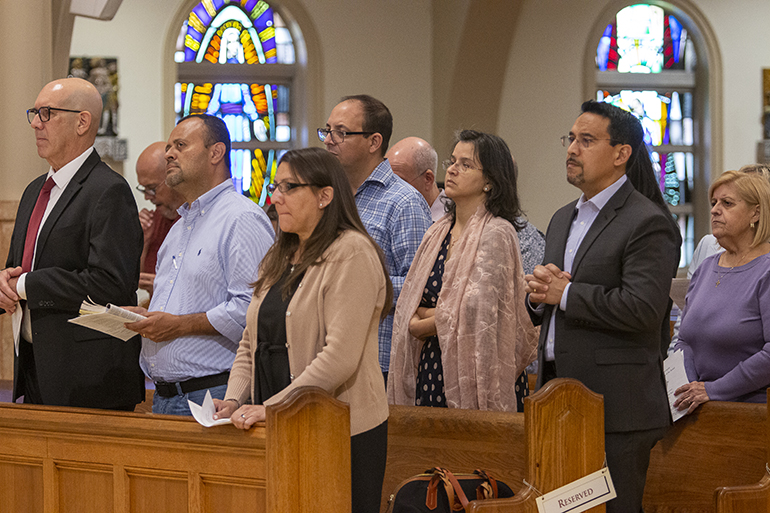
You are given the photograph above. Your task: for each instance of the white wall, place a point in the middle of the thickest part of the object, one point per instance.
(543, 89)
(744, 41)
(382, 49)
(367, 46)
(136, 37)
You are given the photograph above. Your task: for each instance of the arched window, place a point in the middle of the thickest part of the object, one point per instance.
(646, 62)
(237, 61)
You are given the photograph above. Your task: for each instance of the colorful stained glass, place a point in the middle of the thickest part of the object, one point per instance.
(235, 31)
(644, 39)
(257, 114)
(666, 118)
(252, 112)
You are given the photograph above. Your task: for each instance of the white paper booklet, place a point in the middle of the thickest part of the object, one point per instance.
(107, 319)
(204, 413)
(673, 367)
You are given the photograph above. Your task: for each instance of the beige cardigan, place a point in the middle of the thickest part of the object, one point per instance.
(331, 333)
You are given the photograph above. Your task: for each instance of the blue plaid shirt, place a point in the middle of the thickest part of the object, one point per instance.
(396, 216)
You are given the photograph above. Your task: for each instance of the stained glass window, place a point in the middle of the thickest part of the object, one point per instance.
(646, 39)
(243, 32)
(257, 112)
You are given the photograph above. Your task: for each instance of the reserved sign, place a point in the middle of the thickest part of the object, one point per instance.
(580, 495)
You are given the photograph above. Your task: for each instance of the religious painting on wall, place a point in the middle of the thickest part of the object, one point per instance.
(102, 72)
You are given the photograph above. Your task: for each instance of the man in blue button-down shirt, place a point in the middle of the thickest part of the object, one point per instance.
(205, 265)
(394, 213)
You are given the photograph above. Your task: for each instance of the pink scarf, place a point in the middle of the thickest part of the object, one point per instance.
(484, 330)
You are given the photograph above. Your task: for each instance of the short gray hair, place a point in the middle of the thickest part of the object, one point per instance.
(424, 158)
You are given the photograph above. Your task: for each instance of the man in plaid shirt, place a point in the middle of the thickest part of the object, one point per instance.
(395, 214)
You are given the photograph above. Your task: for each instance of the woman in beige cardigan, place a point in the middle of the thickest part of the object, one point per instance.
(461, 333)
(313, 319)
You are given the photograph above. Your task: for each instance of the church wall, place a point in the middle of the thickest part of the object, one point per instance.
(366, 46)
(544, 88)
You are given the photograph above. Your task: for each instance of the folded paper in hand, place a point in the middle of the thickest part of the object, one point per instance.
(107, 319)
(204, 413)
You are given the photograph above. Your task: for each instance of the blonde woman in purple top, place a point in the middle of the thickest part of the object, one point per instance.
(725, 333)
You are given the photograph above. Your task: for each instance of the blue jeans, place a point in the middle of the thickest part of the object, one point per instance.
(177, 405)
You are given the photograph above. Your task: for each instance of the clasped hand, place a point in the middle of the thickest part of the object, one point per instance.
(8, 297)
(546, 284)
(243, 417)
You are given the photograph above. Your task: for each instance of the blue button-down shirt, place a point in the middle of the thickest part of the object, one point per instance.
(206, 263)
(397, 217)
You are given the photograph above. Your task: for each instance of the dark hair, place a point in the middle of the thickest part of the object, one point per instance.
(625, 128)
(320, 168)
(216, 131)
(377, 118)
(499, 168)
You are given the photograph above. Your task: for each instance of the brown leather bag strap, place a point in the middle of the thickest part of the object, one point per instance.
(460, 494)
(431, 498)
(487, 489)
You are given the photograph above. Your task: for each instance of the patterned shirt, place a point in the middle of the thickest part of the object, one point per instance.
(396, 216)
(209, 258)
(532, 246)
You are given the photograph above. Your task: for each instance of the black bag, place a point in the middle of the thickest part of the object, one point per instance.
(440, 491)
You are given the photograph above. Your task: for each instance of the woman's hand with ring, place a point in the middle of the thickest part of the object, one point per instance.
(248, 415)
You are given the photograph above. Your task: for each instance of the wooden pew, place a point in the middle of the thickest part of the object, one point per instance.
(64, 460)
(750, 498)
(558, 439)
(722, 444)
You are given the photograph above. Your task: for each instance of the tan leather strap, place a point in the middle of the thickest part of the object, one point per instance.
(459, 493)
(487, 489)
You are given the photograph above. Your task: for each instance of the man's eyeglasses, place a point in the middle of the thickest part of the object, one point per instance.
(149, 190)
(338, 136)
(45, 113)
(285, 187)
(583, 142)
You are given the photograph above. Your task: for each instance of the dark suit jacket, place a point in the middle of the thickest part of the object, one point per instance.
(609, 335)
(89, 245)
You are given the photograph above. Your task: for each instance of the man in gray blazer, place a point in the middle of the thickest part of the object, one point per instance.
(601, 294)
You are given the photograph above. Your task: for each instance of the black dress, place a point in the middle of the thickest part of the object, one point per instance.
(271, 359)
(430, 378)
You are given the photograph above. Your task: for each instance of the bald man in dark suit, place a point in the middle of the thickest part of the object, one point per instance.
(77, 235)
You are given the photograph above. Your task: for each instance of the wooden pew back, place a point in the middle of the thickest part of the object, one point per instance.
(721, 444)
(750, 498)
(61, 460)
(558, 439)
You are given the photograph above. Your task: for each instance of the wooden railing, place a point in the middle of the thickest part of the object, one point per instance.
(750, 498)
(56, 460)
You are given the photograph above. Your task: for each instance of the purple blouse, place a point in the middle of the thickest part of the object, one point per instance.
(725, 333)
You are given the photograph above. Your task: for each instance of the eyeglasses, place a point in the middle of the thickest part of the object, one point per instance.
(338, 136)
(464, 166)
(583, 142)
(149, 190)
(285, 187)
(45, 113)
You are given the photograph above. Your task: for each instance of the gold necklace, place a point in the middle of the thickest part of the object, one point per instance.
(719, 278)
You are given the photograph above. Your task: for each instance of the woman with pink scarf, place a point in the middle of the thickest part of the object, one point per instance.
(461, 334)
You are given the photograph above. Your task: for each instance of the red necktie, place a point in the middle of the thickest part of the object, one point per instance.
(34, 224)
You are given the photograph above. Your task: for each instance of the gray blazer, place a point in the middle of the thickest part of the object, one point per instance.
(609, 335)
